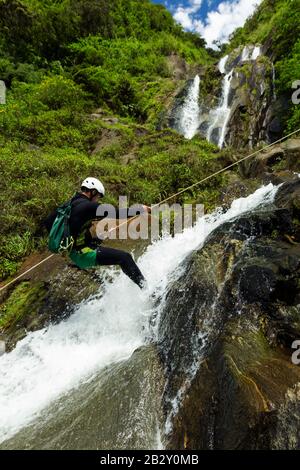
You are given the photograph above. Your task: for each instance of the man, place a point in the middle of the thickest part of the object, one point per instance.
(87, 255)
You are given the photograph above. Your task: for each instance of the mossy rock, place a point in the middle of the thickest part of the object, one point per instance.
(50, 293)
(23, 303)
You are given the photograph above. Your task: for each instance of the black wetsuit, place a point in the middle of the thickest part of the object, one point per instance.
(83, 211)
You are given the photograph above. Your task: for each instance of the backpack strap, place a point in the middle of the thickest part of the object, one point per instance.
(66, 233)
(69, 241)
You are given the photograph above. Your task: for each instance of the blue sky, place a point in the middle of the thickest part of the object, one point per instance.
(214, 20)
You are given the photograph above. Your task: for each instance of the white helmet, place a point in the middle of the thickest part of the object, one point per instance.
(94, 183)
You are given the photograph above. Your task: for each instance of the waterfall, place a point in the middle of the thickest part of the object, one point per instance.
(201, 339)
(222, 64)
(224, 109)
(219, 117)
(256, 53)
(55, 361)
(245, 54)
(250, 53)
(189, 113)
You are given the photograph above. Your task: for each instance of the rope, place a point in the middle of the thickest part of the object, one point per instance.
(166, 199)
(28, 270)
(210, 176)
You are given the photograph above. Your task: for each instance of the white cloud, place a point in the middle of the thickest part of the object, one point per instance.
(219, 23)
(184, 15)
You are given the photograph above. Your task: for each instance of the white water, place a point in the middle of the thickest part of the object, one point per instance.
(250, 53)
(50, 362)
(256, 53)
(206, 225)
(222, 64)
(245, 54)
(220, 116)
(189, 116)
(224, 109)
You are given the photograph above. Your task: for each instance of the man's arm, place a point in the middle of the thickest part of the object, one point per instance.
(142, 210)
(118, 213)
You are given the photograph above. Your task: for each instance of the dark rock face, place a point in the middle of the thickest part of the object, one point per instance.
(275, 118)
(226, 335)
(251, 98)
(280, 157)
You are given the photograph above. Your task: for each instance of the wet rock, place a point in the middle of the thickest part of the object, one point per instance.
(278, 158)
(275, 118)
(286, 435)
(47, 294)
(119, 408)
(288, 195)
(256, 283)
(226, 334)
(250, 98)
(235, 188)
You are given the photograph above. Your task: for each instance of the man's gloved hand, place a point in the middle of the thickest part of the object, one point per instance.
(147, 209)
(92, 242)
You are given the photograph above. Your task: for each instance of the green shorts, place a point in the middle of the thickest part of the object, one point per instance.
(85, 258)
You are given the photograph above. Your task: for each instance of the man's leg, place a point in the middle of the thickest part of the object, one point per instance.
(110, 256)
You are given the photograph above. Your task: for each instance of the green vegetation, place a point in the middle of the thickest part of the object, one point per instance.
(289, 72)
(64, 61)
(276, 24)
(61, 60)
(111, 48)
(22, 302)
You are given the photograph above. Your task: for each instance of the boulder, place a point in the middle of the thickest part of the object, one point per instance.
(226, 335)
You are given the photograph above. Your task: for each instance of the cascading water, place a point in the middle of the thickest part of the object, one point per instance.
(245, 54)
(103, 332)
(222, 64)
(219, 117)
(255, 53)
(189, 113)
(224, 110)
(250, 53)
(191, 349)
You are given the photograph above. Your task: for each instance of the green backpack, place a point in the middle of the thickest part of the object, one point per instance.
(60, 239)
